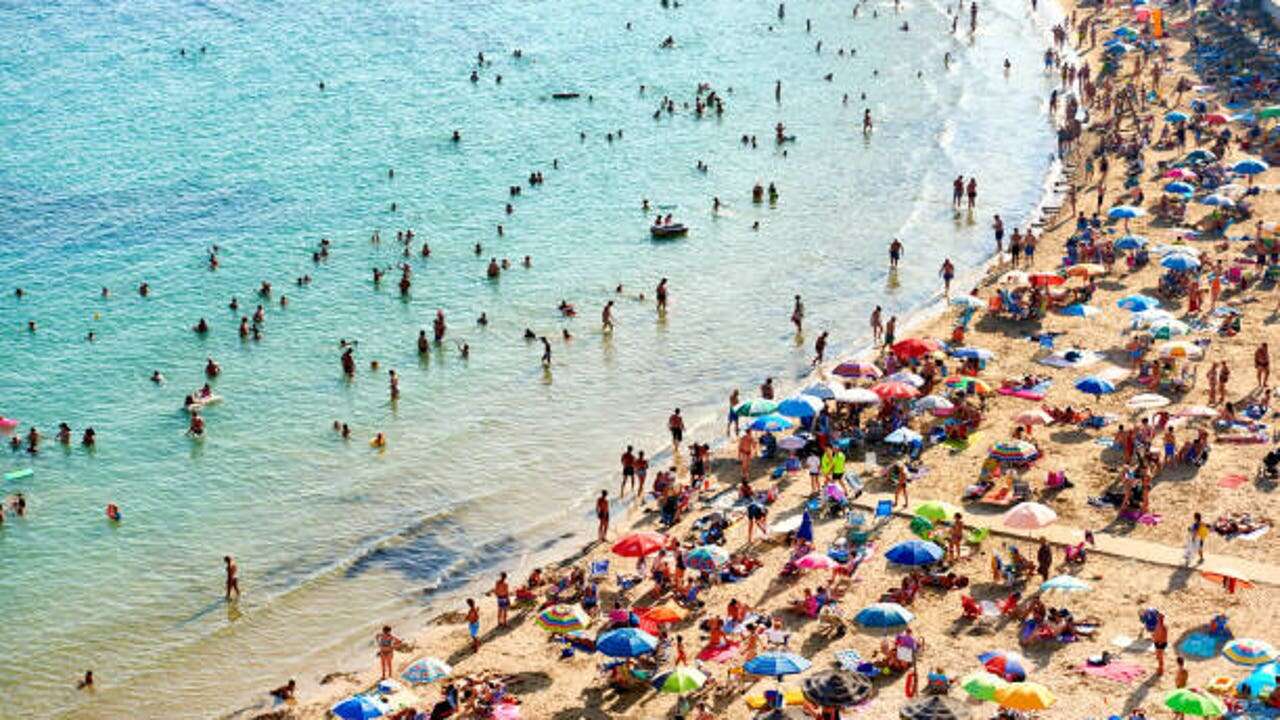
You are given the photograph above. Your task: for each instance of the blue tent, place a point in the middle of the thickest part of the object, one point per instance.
(914, 552)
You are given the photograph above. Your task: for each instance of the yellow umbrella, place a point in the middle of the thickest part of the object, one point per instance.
(1025, 696)
(1180, 349)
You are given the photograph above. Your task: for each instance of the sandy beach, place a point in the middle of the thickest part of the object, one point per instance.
(1134, 563)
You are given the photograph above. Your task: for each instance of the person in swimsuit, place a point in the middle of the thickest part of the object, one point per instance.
(1262, 364)
(233, 577)
(628, 470)
(473, 624)
(642, 472)
(797, 315)
(675, 424)
(602, 514)
(819, 349)
(877, 327)
(889, 330)
(895, 252)
(1160, 639)
(747, 446)
(546, 352)
(948, 273)
(386, 644)
(606, 317)
(502, 592)
(661, 293)
(732, 423)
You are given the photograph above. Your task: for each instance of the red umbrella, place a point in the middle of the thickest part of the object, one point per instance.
(639, 544)
(1045, 279)
(1216, 119)
(894, 390)
(915, 347)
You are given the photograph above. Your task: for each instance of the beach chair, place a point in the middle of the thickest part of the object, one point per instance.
(599, 570)
(884, 509)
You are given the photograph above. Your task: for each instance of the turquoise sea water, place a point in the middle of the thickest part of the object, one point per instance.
(123, 161)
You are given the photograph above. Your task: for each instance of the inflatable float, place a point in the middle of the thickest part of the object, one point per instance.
(674, 230)
(7, 424)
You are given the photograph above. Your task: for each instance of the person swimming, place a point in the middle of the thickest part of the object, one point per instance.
(201, 327)
(211, 368)
(157, 378)
(483, 319)
(493, 270)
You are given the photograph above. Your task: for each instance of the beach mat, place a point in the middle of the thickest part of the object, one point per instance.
(1121, 672)
(1231, 482)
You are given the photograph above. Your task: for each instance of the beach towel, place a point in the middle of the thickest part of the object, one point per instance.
(1199, 645)
(958, 445)
(1121, 672)
(719, 653)
(1035, 392)
(1254, 535)
(791, 695)
(1231, 482)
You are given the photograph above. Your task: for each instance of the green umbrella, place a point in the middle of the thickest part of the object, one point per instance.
(936, 510)
(680, 681)
(1271, 111)
(921, 527)
(755, 407)
(982, 685)
(1187, 702)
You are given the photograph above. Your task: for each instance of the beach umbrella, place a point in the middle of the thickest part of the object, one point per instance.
(771, 423)
(1013, 451)
(883, 615)
(800, 406)
(1144, 318)
(1131, 242)
(972, 353)
(792, 442)
(1178, 187)
(1137, 303)
(1181, 173)
(776, 664)
(968, 301)
(857, 396)
(915, 347)
(426, 670)
(936, 510)
(560, 619)
(982, 685)
(934, 707)
(1175, 116)
(706, 558)
(892, 390)
(1007, 665)
(935, 404)
(856, 370)
(816, 561)
(1224, 310)
(1147, 401)
(1250, 166)
(1201, 156)
(903, 436)
(1025, 696)
(1116, 47)
(1029, 516)
(1125, 31)
(833, 689)
(1189, 702)
(1217, 201)
(1094, 385)
(805, 531)
(664, 614)
(906, 376)
(1271, 111)
(358, 707)
(1066, 584)
(1231, 190)
(1261, 681)
(1165, 328)
(914, 552)
(1085, 270)
(1125, 212)
(822, 391)
(1179, 349)
(1045, 279)
(682, 680)
(1196, 411)
(1247, 651)
(626, 642)
(1216, 119)
(968, 384)
(759, 406)
(1033, 417)
(639, 544)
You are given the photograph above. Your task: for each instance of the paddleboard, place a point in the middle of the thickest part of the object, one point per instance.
(19, 474)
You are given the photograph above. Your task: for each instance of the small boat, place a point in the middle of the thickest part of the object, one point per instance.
(565, 95)
(668, 231)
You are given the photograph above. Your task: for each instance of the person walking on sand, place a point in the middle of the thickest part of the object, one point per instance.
(895, 253)
(675, 424)
(877, 327)
(1044, 560)
(1160, 639)
(948, 272)
(819, 349)
(1262, 364)
(746, 451)
(473, 624)
(502, 593)
(997, 228)
(233, 577)
(602, 515)
(955, 537)
(797, 315)
(1196, 535)
(386, 644)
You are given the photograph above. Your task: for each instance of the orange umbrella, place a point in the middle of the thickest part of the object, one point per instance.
(1045, 279)
(1085, 270)
(894, 390)
(663, 614)
(639, 544)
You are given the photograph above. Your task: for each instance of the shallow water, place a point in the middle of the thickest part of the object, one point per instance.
(124, 161)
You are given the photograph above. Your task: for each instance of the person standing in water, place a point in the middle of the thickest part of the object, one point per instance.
(233, 577)
(602, 515)
(393, 380)
(819, 349)
(797, 315)
(438, 326)
(948, 272)
(546, 352)
(606, 317)
(661, 293)
(877, 327)
(895, 253)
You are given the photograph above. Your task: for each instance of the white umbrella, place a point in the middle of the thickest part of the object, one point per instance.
(934, 402)
(1030, 516)
(856, 396)
(908, 377)
(1147, 401)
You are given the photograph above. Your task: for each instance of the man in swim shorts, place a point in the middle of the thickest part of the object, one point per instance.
(503, 594)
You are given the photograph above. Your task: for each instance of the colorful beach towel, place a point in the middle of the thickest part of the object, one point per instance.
(1035, 392)
(1120, 672)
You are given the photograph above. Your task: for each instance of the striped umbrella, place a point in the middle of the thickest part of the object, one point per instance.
(776, 664)
(857, 370)
(561, 619)
(969, 384)
(1013, 451)
(880, 615)
(426, 670)
(1006, 664)
(759, 406)
(1247, 651)
(894, 391)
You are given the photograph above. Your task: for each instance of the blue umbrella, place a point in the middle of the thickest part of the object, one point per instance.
(1125, 31)
(1125, 212)
(821, 391)
(884, 615)
(1178, 187)
(1118, 48)
(1217, 200)
(1250, 166)
(1094, 385)
(914, 552)
(1008, 665)
(776, 664)
(800, 406)
(771, 423)
(1200, 156)
(1180, 262)
(1131, 242)
(903, 436)
(1079, 310)
(1175, 116)
(1137, 303)
(805, 532)
(358, 707)
(1261, 681)
(626, 643)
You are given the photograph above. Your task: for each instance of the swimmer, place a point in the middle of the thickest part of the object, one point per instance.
(566, 335)
(196, 428)
(478, 249)
(201, 328)
(284, 301)
(393, 382)
(528, 261)
(493, 271)
(464, 350)
(867, 124)
(89, 439)
(661, 292)
(113, 514)
(424, 346)
(457, 136)
(157, 378)
(105, 293)
(438, 326)
(234, 304)
(211, 368)
(379, 441)
(483, 319)
(546, 352)
(144, 290)
(87, 682)
(64, 434)
(529, 334)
